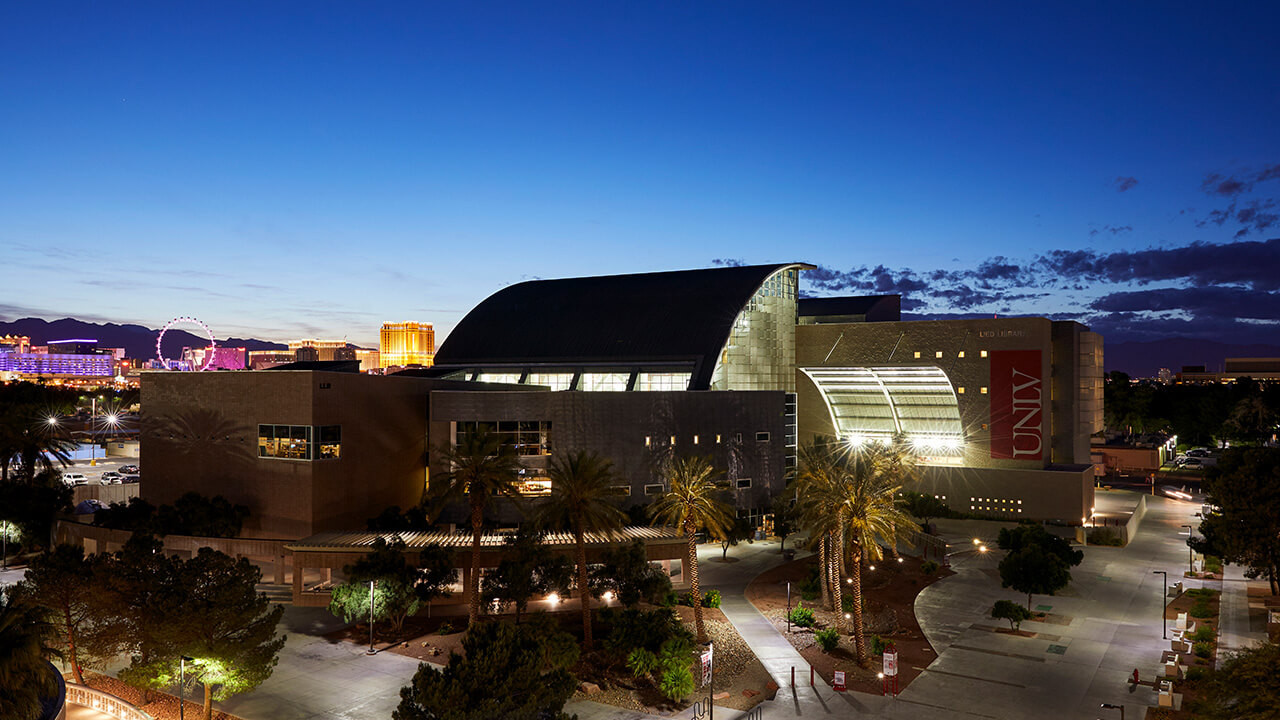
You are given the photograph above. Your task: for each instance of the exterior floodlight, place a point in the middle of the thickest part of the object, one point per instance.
(608, 595)
(553, 598)
(900, 559)
(871, 567)
(52, 421)
(982, 548)
(848, 581)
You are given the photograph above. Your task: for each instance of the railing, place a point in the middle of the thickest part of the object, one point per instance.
(104, 703)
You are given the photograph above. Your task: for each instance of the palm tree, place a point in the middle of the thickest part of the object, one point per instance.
(481, 467)
(690, 504)
(29, 444)
(26, 677)
(859, 486)
(819, 494)
(580, 486)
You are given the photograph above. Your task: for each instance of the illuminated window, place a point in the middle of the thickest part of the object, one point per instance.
(983, 390)
(960, 390)
(917, 354)
(604, 382)
(533, 484)
(329, 438)
(647, 441)
(717, 439)
(555, 381)
(526, 437)
(938, 354)
(695, 439)
(620, 491)
(290, 442)
(506, 378)
(673, 440)
(960, 354)
(983, 353)
(654, 489)
(662, 381)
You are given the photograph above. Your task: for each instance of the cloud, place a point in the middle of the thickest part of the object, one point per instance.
(1206, 303)
(1252, 215)
(1251, 263)
(728, 262)
(1123, 183)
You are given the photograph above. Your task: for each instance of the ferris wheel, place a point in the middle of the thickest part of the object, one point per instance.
(208, 357)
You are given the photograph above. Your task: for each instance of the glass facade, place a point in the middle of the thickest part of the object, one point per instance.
(497, 377)
(300, 442)
(662, 381)
(604, 381)
(760, 353)
(555, 381)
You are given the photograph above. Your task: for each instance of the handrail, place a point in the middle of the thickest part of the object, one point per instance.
(105, 703)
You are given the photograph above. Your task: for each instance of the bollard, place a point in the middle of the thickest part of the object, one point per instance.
(793, 676)
(810, 676)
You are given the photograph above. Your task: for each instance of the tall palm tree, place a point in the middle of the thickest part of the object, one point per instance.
(819, 493)
(482, 467)
(26, 677)
(30, 445)
(580, 487)
(689, 504)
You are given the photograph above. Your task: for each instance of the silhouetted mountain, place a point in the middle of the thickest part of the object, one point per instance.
(1144, 359)
(137, 341)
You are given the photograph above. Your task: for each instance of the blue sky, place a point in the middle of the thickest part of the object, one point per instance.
(286, 170)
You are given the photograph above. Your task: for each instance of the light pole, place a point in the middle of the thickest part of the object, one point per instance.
(1109, 706)
(1164, 633)
(371, 650)
(182, 688)
(6, 527)
(1190, 553)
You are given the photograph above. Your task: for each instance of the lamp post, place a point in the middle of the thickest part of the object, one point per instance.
(1109, 706)
(1164, 633)
(371, 650)
(6, 527)
(1190, 553)
(182, 688)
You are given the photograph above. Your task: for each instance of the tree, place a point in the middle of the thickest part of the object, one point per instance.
(1245, 527)
(1251, 418)
(528, 568)
(29, 444)
(1246, 685)
(1011, 611)
(212, 613)
(924, 506)
(581, 485)
(399, 588)
(529, 664)
(1035, 571)
(69, 586)
(733, 533)
(33, 506)
(26, 677)
(783, 507)
(1029, 533)
(689, 504)
(192, 514)
(482, 467)
(626, 570)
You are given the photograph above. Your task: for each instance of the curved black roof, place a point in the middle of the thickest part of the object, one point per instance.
(664, 317)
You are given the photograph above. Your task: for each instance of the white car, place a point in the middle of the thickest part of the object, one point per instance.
(74, 479)
(111, 477)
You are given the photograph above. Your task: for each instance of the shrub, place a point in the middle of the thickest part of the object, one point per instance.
(1202, 649)
(1212, 564)
(670, 599)
(1011, 611)
(846, 603)
(446, 628)
(801, 616)
(711, 599)
(1201, 593)
(878, 645)
(676, 683)
(811, 587)
(1204, 633)
(649, 629)
(1105, 536)
(641, 662)
(1197, 673)
(928, 567)
(1201, 609)
(828, 639)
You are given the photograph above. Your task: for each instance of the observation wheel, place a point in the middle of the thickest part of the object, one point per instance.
(208, 359)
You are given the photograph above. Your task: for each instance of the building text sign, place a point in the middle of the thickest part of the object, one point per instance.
(1018, 404)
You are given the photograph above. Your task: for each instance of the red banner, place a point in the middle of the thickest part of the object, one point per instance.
(1018, 405)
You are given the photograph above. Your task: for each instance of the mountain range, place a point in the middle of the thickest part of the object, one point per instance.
(137, 341)
(1138, 359)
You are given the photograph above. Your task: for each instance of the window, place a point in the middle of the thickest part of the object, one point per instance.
(329, 442)
(526, 437)
(662, 381)
(647, 441)
(737, 437)
(717, 438)
(604, 382)
(917, 354)
(495, 377)
(983, 353)
(533, 482)
(291, 442)
(762, 437)
(960, 390)
(938, 354)
(654, 489)
(960, 354)
(982, 390)
(695, 439)
(673, 440)
(621, 490)
(555, 381)
(744, 483)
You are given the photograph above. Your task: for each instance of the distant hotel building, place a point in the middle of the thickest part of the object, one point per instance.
(1233, 369)
(408, 343)
(224, 358)
(74, 359)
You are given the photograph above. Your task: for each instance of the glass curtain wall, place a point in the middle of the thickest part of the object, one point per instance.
(760, 353)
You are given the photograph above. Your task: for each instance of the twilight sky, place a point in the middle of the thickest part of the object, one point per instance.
(286, 170)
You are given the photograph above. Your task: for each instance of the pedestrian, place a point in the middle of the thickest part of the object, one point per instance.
(1135, 676)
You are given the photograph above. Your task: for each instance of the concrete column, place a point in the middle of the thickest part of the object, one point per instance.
(278, 566)
(328, 575)
(297, 581)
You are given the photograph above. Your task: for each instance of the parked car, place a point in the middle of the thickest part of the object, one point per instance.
(111, 477)
(1199, 452)
(74, 479)
(131, 479)
(130, 470)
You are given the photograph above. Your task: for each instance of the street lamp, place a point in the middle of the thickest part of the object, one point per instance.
(1164, 633)
(182, 687)
(6, 527)
(1109, 706)
(371, 650)
(1190, 553)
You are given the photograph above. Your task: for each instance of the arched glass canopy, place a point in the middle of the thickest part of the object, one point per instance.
(873, 404)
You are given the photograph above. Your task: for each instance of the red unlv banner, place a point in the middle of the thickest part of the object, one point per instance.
(1017, 405)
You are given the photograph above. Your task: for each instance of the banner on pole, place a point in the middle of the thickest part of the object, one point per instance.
(837, 682)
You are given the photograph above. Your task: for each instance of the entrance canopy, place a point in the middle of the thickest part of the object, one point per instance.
(874, 404)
